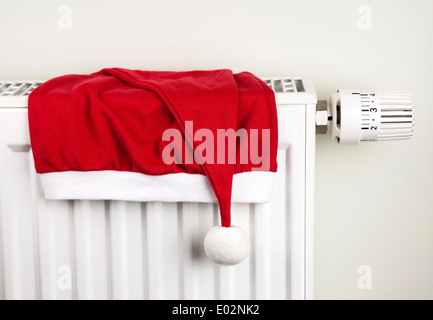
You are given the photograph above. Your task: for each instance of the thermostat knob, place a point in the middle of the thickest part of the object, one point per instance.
(371, 116)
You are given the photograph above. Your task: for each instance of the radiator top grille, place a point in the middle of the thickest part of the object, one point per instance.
(18, 88)
(289, 90)
(24, 88)
(284, 85)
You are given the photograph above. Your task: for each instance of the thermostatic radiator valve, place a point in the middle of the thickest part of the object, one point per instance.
(355, 116)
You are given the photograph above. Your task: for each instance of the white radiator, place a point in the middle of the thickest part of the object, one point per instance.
(131, 250)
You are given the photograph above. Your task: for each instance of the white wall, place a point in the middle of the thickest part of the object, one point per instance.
(375, 200)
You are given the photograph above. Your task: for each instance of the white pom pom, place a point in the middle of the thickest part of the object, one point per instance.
(227, 246)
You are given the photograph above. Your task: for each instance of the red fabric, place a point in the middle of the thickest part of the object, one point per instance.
(114, 120)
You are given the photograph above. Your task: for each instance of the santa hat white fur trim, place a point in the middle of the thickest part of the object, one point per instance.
(248, 187)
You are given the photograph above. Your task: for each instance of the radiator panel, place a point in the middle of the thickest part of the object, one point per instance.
(154, 250)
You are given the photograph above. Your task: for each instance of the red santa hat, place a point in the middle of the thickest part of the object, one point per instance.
(104, 136)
